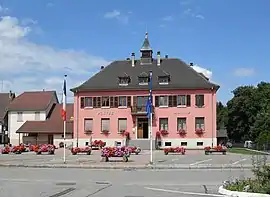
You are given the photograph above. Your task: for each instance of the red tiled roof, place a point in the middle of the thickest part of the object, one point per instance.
(35, 101)
(53, 125)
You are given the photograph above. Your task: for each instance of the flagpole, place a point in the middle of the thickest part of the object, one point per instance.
(65, 122)
(151, 119)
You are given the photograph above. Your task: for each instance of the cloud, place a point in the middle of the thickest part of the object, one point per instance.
(189, 12)
(115, 14)
(27, 66)
(244, 72)
(3, 9)
(202, 70)
(167, 18)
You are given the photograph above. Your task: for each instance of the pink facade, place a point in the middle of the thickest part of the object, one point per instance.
(171, 114)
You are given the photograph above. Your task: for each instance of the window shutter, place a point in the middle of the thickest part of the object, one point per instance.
(174, 100)
(129, 101)
(98, 101)
(134, 101)
(202, 100)
(116, 101)
(111, 102)
(197, 100)
(105, 124)
(170, 101)
(82, 102)
(95, 102)
(156, 101)
(188, 101)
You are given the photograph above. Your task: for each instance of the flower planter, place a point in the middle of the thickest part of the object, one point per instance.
(76, 150)
(15, 149)
(230, 193)
(182, 132)
(105, 132)
(164, 132)
(108, 152)
(45, 148)
(134, 149)
(217, 149)
(97, 144)
(199, 131)
(181, 150)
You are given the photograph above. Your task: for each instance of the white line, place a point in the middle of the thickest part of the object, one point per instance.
(239, 161)
(198, 162)
(181, 192)
(175, 159)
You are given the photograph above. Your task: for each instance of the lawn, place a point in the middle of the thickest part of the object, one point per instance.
(243, 151)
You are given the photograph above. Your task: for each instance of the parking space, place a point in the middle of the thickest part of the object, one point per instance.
(191, 158)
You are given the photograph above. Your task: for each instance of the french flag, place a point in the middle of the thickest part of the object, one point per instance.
(64, 112)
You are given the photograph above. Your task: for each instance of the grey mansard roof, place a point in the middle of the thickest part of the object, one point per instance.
(182, 76)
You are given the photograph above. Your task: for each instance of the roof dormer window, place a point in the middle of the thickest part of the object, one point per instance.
(163, 80)
(143, 80)
(124, 81)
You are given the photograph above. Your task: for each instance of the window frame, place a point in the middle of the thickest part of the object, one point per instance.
(183, 124)
(199, 100)
(120, 129)
(143, 82)
(84, 124)
(90, 102)
(199, 123)
(107, 104)
(37, 116)
(161, 78)
(163, 97)
(163, 126)
(104, 129)
(119, 102)
(180, 102)
(124, 81)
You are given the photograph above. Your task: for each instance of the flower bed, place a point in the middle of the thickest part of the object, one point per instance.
(45, 148)
(181, 150)
(216, 149)
(76, 150)
(108, 152)
(15, 149)
(258, 186)
(97, 144)
(134, 149)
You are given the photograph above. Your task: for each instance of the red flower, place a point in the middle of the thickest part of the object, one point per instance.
(182, 131)
(199, 130)
(158, 134)
(164, 132)
(207, 148)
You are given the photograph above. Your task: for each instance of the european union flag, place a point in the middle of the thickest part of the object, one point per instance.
(149, 102)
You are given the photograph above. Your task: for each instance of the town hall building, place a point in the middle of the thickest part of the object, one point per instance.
(113, 101)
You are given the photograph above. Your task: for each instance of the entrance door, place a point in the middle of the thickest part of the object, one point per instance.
(142, 128)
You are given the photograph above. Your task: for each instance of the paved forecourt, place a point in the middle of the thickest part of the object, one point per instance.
(192, 158)
(31, 182)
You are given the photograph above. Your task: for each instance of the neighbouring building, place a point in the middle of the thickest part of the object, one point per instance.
(114, 100)
(29, 106)
(5, 100)
(51, 130)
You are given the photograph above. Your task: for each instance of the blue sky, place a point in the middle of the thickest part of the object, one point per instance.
(42, 40)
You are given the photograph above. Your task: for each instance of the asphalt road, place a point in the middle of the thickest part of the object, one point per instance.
(27, 182)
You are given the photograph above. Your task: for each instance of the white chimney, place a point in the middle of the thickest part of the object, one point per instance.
(158, 58)
(133, 59)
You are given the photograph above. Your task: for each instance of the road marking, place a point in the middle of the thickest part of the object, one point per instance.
(175, 159)
(239, 161)
(198, 162)
(181, 192)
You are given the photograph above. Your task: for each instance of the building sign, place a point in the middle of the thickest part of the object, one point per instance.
(105, 113)
(179, 113)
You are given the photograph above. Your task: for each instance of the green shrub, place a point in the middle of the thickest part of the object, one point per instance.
(259, 184)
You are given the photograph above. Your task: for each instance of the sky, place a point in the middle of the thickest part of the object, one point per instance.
(41, 41)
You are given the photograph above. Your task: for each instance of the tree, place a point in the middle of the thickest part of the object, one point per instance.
(222, 115)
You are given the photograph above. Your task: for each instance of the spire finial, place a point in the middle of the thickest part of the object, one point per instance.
(146, 35)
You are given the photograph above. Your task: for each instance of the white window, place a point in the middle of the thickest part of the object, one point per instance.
(19, 116)
(122, 101)
(181, 123)
(122, 125)
(123, 81)
(88, 102)
(163, 124)
(181, 100)
(199, 123)
(163, 80)
(88, 125)
(37, 115)
(163, 101)
(105, 124)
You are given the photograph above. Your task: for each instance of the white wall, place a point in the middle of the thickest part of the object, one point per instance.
(14, 124)
(57, 138)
